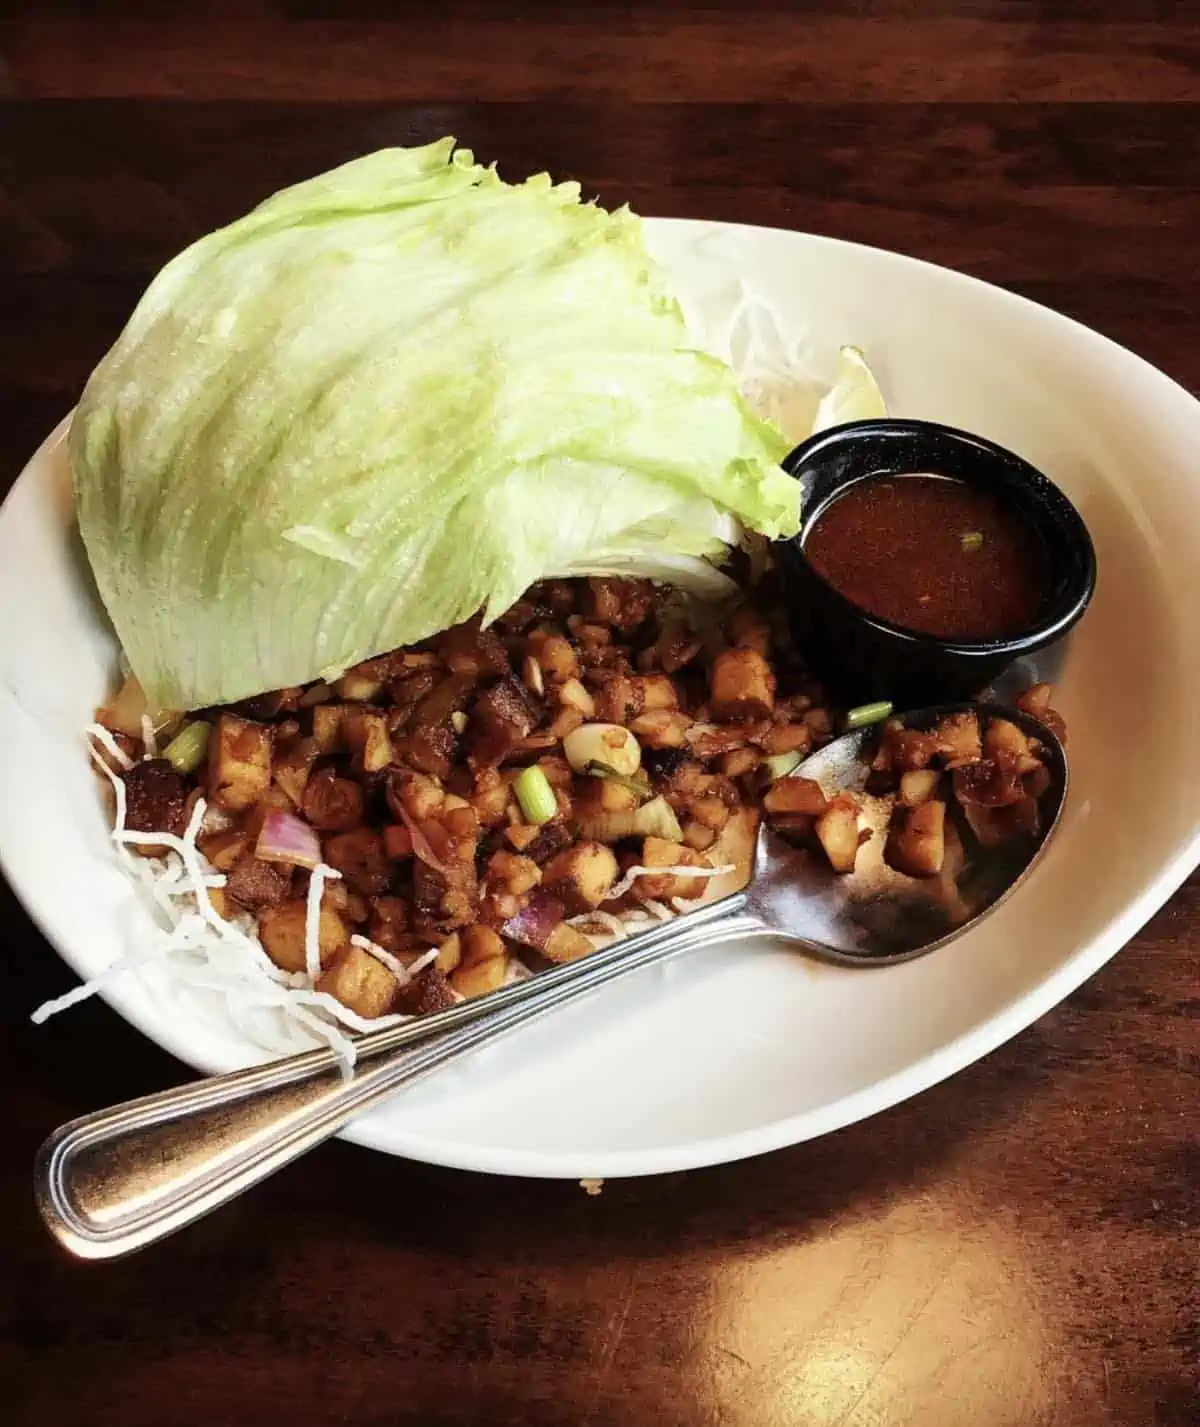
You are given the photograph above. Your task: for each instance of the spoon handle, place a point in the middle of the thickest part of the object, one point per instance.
(114, 1181)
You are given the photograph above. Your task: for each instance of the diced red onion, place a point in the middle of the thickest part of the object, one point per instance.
(533, 925)
(288, 839)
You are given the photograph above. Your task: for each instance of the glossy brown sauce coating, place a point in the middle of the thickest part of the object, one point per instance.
(933, 555)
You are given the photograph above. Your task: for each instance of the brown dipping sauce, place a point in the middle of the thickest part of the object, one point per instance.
(933, 555)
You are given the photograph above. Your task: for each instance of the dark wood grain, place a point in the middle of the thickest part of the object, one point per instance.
(1019, 1247)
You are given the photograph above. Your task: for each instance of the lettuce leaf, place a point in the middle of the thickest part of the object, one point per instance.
(386, 398)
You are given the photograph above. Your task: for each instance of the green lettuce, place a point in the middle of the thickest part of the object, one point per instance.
(387, 398)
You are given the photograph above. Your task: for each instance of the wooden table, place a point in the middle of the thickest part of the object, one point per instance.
(1015, 1248)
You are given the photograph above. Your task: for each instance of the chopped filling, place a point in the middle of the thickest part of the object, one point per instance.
(445, 819)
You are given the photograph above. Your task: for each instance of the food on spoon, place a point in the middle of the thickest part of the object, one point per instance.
(836, 830)
(996, 776)
(916, 839)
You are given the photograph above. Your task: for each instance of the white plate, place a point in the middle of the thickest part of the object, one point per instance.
(740, 1050)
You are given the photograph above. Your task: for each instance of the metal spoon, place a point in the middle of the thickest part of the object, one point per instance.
(117, 1180)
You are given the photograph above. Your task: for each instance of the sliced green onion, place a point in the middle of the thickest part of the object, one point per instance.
(972, 540)
(866, 714)
(779, 765)
(597, 769)
(186, 750)
(536, 796)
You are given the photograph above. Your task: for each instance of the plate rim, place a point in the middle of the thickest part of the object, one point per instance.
(916, 1077)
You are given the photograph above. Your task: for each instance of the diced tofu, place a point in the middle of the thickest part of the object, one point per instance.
(223, 849)
(958, 738)
(603, 795)
(918, 787)
(916, 840)
(281, 931)
(239, 768)
(1007, 745)
(293, 766)
(739, 762)
(327, 726)
(903, 749)
(555, 656)
(837, 831)
(1035, 700)
(664, 728)
(461, 827)
(654, 691)
(360, 983)
(710, 812)
(565, 943)
(742, 685)
(365, 733)
(491, 797)
(989, 783)
(582, 876)
(480, 977)
(788, 738)
(522, 835)
(449, 954)
(358, 687)
(795, 795)
(623, 603)
(1003, 739)
(658, 852)
(513, 874)
(420, 795)
(480, 943)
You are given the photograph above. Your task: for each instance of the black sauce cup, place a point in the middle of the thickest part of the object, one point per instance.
(862, 657)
